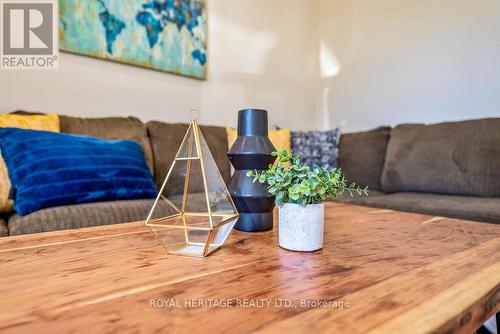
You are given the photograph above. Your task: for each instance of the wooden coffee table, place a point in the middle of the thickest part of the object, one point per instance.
(380, 270)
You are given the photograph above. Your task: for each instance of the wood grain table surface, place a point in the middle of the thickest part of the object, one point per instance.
(379, 271)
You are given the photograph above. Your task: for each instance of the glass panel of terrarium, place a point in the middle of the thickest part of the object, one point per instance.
(163, 209)
(170, 232)
(188, 146)
(198, 241)
(195, 206)
(222, 232)
(173, 190)
(221, 205)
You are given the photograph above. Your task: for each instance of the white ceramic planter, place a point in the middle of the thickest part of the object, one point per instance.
(301, 226)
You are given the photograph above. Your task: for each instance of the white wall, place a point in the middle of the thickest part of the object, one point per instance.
(381, 62)
(393, 61)
(261, 54)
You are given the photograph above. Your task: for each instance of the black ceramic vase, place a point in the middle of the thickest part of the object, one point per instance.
(251, 151)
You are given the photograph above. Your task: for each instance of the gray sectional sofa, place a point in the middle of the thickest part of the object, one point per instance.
(448, 169)
(159, 141)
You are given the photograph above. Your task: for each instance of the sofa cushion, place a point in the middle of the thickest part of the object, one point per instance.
(462, 207)
(129, 128)
(166, 139)
(85, 215)
(4, 231)
(362, 155)
(460, 158)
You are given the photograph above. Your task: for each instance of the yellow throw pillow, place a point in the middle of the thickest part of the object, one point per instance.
(49, 122)
(281, 138)
(5, 202)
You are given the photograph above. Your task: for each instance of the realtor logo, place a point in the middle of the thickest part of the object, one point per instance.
(29, 34)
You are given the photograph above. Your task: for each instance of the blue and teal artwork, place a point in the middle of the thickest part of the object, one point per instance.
(165, 35)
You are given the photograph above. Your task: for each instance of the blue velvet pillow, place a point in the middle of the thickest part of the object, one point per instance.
(50, 169)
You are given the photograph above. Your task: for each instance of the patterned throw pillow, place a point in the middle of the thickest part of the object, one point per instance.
(281, 138)
(317, 147)
(48, 122)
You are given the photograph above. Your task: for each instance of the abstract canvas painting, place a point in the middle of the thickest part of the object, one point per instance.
(165, 35)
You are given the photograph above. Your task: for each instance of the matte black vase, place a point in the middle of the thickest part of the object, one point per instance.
(251, 151)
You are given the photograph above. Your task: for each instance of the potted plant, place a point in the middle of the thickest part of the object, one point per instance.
(300, 195)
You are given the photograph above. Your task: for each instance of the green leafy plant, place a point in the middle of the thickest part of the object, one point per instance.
(292, 182)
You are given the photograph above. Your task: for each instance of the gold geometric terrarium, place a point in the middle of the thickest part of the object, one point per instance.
(193, 213)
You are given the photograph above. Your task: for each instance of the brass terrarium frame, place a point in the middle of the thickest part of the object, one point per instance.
(192, 216)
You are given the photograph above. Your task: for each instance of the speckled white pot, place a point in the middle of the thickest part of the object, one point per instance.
(301, 226)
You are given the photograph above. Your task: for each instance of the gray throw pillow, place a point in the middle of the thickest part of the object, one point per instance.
(317, 148)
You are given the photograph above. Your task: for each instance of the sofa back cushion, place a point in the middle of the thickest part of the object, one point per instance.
(362, 154)
(461, 158)
(127, 128)
(165, 141)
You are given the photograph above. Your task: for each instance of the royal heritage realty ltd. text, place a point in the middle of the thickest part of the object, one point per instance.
(247, 303)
